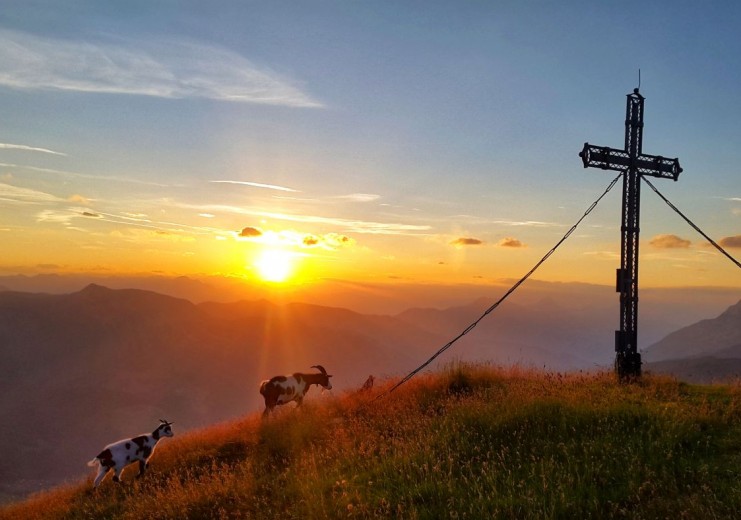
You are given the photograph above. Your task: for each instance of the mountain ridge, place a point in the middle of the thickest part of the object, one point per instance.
(702, 339)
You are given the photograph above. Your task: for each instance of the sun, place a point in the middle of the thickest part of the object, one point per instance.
(274, 265)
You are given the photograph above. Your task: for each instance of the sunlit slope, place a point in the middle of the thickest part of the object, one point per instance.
(469, 441)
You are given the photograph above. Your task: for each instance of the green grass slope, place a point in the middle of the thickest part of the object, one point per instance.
(467, 442)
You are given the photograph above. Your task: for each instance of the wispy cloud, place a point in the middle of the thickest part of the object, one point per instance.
(168, 69)
(52, 171)
(359, 197)
(603, 255)
(26, 148)
(257, 185)
(124, 221)
(474, 219)
(58, 216)
(16, 194)
(526, 223)
(79, 199)
(356, 226)
(143, 235)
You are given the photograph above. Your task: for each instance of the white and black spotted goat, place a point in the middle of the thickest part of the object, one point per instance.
(118, 455)
(284, 389)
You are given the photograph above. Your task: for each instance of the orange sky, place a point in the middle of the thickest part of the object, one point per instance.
(102, 246)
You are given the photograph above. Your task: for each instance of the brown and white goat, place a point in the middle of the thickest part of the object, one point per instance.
(284, 389)
(118, 455)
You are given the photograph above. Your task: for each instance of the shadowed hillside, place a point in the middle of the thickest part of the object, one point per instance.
(705, 352)
(719, 337)
(79, 370)
(470, 441)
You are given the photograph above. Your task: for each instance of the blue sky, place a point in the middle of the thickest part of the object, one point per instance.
(148, 134)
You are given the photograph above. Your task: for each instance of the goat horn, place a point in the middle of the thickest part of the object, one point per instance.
(168, 423)
(320, 368)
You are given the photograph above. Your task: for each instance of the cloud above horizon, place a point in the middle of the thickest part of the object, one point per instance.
(291, 238)
(510, 242)
(250, 232)
(669, 242)
(466, 241)
(172, 69)
(734, 241)
(329, 241)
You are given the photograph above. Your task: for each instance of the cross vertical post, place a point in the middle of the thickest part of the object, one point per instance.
(633, 164)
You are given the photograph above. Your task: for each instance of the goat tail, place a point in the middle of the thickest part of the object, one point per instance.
(93, 462)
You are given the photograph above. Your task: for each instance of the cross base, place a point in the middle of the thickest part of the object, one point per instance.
(627, 365)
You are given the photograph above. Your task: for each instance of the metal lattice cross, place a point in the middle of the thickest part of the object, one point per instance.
(633, 163)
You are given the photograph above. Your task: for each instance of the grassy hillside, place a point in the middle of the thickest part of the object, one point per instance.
(468, 442)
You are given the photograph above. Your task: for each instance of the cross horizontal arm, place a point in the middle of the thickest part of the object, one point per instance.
(619, 160)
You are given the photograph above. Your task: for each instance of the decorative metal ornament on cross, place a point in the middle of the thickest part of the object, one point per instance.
(633, 164)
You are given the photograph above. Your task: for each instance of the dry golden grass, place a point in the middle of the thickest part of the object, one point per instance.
(471, 441)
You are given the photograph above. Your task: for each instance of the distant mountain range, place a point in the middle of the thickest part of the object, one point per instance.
(663, 310)
(82, 369)
(704, 352)
(718, 337)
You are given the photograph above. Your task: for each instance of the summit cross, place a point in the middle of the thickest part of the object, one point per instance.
(633, 164)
